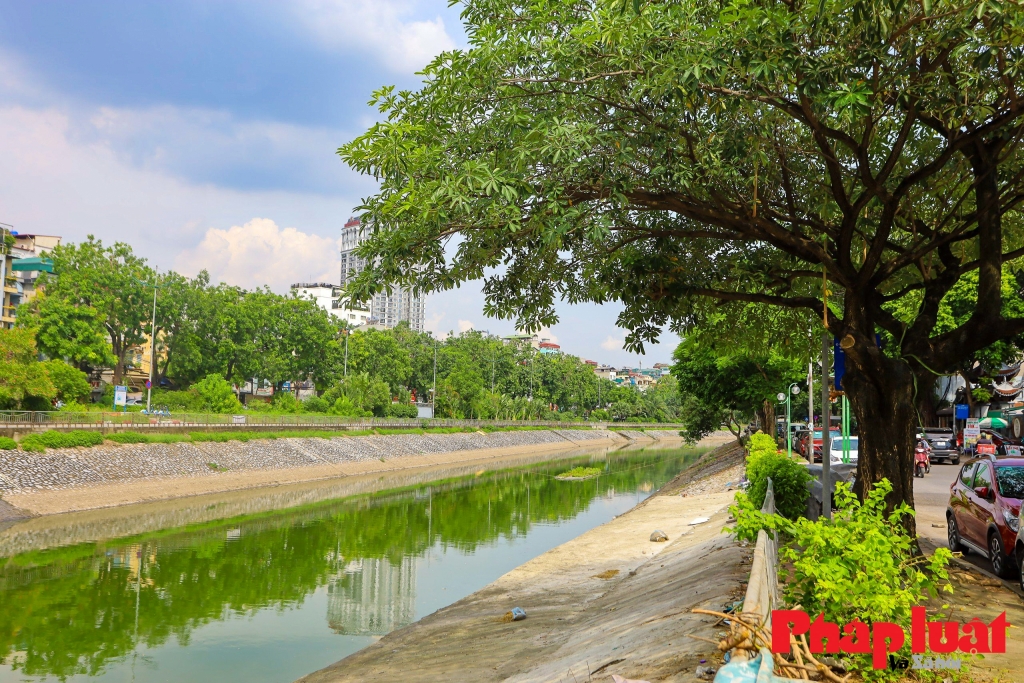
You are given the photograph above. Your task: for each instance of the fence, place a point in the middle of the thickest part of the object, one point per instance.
(763, 588)
(35, 420)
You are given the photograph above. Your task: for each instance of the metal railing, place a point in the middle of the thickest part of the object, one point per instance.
(112, 420)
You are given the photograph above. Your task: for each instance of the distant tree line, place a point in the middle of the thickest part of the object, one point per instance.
(97, 310)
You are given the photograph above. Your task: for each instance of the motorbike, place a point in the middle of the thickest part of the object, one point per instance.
(922, 463)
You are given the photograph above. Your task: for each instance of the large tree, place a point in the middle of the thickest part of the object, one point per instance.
(674, 155)
(97, 291)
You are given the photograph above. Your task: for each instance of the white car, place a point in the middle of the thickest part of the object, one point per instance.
(835, 449)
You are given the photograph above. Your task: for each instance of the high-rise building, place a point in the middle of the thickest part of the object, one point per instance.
(385, 309)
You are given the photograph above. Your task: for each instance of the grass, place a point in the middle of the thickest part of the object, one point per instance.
(52, 438)
(59, 439)
(8, 444)
(580, 473)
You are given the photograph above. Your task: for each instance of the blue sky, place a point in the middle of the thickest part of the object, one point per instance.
(204, 134)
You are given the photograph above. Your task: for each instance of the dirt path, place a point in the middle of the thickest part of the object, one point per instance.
(608, 602)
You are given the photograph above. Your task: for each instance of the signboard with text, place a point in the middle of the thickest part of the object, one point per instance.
(120, 396)
(972, 432)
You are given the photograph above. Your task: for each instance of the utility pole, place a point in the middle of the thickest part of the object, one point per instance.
(826, 419)
(345, 333)
(494, 357)
(433, 392)
(810, 410)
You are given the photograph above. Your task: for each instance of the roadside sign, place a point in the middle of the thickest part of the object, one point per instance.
(962, 411)
(149, 385)
(972, 432)
(120, 396)
(838, 363)
(238, 419)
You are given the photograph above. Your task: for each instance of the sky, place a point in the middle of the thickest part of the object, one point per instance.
(204, 134)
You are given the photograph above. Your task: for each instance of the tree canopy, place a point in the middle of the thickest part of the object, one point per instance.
(679, 157)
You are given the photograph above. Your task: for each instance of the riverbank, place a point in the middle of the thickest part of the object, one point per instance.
(608, 602)
(78, 479)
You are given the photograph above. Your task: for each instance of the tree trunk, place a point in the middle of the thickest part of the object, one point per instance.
(927, 415)
(881, 393)
(767, 418)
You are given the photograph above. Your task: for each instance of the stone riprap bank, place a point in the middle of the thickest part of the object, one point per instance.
(70, 468)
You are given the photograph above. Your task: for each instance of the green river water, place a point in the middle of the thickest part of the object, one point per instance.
(274, 596)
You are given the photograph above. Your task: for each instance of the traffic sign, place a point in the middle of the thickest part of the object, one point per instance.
(149, 384)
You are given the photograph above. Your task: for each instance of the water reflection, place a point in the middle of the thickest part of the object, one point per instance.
(372, 597)
(80, 610)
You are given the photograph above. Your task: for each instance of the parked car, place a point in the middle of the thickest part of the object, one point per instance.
(943, 444)
(835, 448)
(984, 511)
(798, 442)
(817, 442)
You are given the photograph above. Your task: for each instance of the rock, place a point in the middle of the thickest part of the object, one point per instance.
(658, 537)
(706, 673)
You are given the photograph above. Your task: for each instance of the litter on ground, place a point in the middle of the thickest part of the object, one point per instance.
(699, 520)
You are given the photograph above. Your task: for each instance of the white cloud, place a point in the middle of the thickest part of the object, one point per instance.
(55, 180)
(465, 326)
(404, 42)
(259, 253)
(612, 344)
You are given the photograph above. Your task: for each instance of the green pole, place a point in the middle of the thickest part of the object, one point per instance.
(789, 429)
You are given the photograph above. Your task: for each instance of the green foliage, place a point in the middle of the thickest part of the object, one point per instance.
(96, 308)
(863, 565)
(285, 402)
(53, 438)
(315, 404)
(789, 477)
(71, 384)
(405, 410)
(726, 388)
(137, 437)
(580, 473)
(217, 394)
(7, 443)
(24, 382)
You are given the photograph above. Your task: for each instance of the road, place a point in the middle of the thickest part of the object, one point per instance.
(931, 494)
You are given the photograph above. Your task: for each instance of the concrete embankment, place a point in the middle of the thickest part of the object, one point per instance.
(66, 480)
(608, 602)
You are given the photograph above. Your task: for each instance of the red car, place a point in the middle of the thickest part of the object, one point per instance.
(984, 510)
(817, 443)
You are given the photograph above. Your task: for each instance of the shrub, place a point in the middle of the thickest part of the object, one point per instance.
(57, 439)
(136, 437)
(789, 477)
(402, 410)
(315, 404)
(863, 565)
(285, 402)
(7, 443)
(217, 394)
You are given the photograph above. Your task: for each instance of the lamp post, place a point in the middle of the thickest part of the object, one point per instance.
(793, 391)
(433, 392)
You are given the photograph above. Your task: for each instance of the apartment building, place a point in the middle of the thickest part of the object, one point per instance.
(386, 309)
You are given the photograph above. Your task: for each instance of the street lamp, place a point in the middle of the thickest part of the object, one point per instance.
(793, 390)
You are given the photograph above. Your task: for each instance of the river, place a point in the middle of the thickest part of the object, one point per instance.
(274, 596)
